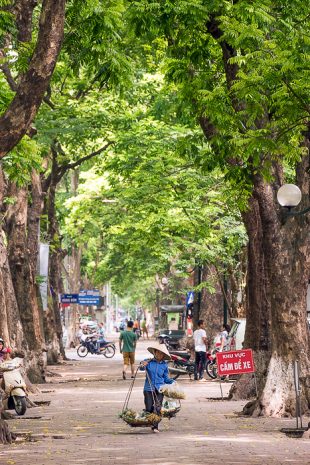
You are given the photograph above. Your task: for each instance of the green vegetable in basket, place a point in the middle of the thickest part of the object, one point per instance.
(172, 394)
(139, 419)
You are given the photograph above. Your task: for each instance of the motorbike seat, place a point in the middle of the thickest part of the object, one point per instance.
(185, 355)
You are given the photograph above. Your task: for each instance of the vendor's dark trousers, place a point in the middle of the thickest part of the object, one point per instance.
(200, 364)
(150, 405)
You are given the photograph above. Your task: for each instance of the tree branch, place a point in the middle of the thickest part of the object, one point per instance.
(304, 105)
(23, 11)
(70, 166)
(7, 73)
(213, 27)
(16, 120)
(13, 85)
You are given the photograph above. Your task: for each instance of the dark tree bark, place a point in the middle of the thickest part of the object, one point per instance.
(23, 10)
(211, 304)
(53, 327)
(10, 325)
(75, 283)
(16, 120)
(75, 273)
(22, 225)
(6, 437)
(286, 253)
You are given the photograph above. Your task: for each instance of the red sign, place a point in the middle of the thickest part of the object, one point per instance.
(235, 362)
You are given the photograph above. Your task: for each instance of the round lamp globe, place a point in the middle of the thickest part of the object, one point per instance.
(289, 195)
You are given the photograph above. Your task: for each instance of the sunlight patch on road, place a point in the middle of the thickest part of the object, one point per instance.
(206, 438)
(107, 401)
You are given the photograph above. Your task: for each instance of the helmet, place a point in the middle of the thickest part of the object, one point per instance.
(1, 341)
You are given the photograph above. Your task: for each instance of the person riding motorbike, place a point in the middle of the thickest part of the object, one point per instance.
(4, 351)
(4, 355)
(100, 334)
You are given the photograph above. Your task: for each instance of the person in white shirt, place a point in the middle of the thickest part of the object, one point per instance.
(200, 339)
(224, 337)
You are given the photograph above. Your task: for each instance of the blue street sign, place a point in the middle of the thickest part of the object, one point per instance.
(89, 292)
(85, 297)
(88, 299)
(69, 298)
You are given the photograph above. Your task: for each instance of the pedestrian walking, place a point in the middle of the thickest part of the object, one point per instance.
(144, 329)
(200, 340)
(127, 346)
(157, 375)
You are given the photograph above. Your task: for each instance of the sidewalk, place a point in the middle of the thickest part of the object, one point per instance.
(81, 425)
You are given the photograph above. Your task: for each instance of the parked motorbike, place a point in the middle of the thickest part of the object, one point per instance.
(88, 344)
(180, 365)
(211, 365)
(170, 343)
(14, 386)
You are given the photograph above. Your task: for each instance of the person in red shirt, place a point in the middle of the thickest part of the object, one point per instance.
(4, 351)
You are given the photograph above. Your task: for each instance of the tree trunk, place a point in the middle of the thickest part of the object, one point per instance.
(278, 276)
(6, 437)
(211, 304)
(10, 325)
(75, 284)
(23, 255)
(75, 274)
(53, 326)
(287, 258)
(16, 120)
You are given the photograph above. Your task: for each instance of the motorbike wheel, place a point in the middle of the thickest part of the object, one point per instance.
(20, 405)
(82, 351)
(211, 369)
(109, 351)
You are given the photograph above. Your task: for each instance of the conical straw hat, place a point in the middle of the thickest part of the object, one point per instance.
(161, 347)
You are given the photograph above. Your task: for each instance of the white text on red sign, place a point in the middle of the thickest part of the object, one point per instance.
(235, 362)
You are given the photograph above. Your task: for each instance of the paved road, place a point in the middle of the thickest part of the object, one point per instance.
(81, 425)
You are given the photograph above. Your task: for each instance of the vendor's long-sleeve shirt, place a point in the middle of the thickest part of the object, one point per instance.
(158, 374)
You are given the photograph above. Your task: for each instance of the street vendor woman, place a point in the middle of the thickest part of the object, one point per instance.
(156, 376)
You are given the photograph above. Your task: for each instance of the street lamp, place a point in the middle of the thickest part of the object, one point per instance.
(289, 196)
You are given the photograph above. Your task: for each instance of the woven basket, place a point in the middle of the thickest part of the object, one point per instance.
(170, 413)
(135, 420)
